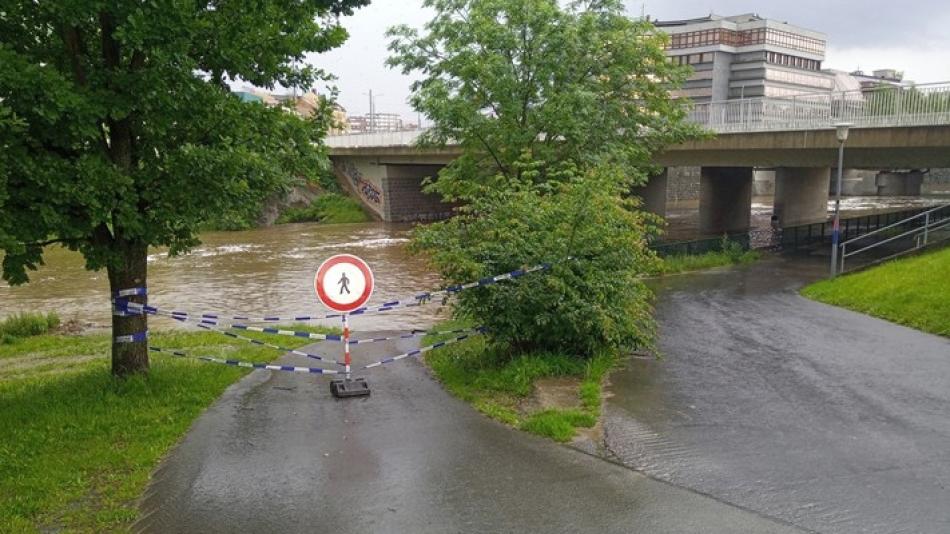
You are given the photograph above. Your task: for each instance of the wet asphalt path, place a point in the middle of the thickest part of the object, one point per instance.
(830, 420)
(276, 453)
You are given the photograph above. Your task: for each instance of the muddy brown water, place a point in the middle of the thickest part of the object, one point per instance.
(253, 272)
(270, 270)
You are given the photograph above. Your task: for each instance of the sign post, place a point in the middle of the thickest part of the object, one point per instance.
(345, 283)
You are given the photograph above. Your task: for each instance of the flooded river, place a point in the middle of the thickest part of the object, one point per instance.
(270, 270)
(253, 272)
(683, 215)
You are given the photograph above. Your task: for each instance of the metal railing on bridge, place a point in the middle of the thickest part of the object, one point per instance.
(920, 105)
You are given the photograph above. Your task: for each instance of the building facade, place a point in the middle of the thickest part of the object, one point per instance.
(746, 56)
(881, 78)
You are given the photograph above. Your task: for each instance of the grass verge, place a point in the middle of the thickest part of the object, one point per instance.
(26, 324)
(330, 208)
(500, 386)
(681, 263)
(78, 446)
(911, 291)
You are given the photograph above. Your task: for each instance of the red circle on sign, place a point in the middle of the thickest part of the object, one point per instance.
(318, 282)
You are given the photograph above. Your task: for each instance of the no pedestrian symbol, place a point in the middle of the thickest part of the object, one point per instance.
(344, 283)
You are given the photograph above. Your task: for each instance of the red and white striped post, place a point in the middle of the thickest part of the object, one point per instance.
(346, 345)
(344, 283)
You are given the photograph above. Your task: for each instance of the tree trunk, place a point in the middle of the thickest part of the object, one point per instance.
(127, 272)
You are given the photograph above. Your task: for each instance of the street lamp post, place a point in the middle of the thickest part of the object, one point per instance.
(842, 135)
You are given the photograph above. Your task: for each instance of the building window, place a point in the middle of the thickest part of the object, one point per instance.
(692, 59)
(747, 38)
(792, 61)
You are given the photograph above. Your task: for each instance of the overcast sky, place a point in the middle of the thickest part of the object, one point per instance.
(869, 34)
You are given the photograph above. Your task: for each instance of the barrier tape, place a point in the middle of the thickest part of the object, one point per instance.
(137, 337)
(131, 292)
(207, 323)
(269, 345)
(248, 365)
(313, 370)
(416, 333)
(133, 308)
(419, 351)
(417, 300)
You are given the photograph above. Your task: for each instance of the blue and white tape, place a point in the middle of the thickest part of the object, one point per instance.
(419, 351)
(137, 337)
(415, 333)
(417, 300)
(248, 365)
(130, 292)
(132, 308)
(269, 345)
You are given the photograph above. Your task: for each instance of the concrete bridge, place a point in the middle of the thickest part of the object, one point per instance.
(893, 129)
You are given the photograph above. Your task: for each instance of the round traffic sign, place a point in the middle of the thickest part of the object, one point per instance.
(343, 282)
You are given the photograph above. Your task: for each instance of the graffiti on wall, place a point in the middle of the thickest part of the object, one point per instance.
(361, 185)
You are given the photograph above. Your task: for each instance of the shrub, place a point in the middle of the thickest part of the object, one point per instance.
(20, 325)
(330, 208)
(590, 300)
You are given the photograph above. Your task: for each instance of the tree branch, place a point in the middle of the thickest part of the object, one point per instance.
(72, 39)
(492, 153)
(54, 241)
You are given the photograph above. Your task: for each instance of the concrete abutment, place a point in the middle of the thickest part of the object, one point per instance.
(654, 193)
(725, 199)
(801, 195)
(392, 191)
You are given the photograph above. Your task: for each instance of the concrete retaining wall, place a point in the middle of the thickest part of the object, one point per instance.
(405, 200)
(391, 192)
(363, 178)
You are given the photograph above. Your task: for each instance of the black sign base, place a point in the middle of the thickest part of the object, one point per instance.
(356, 387)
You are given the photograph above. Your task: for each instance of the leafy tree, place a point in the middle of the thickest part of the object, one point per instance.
(118, 132)
(592, 299)
(558, 111)
(516, 79)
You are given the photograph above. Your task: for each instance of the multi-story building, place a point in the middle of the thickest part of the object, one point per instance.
(377, 122)
(881, 77)
(746, 56)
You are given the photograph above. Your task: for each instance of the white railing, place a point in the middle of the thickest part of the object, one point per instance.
(377, 139)
(922, 105)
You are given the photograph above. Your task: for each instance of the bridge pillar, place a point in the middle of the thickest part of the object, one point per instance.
(725, 199)
(899, 184)
(801, 195)
(653, 194)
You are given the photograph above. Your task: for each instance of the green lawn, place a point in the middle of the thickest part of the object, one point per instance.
(78, 446)
(497, 384)
(912, 291)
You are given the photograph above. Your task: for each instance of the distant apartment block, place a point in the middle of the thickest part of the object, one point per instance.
(746, 56)
(378, 122)
(304, 105)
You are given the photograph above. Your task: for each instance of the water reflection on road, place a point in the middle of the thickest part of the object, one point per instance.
(827, 419)
(266, 270)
